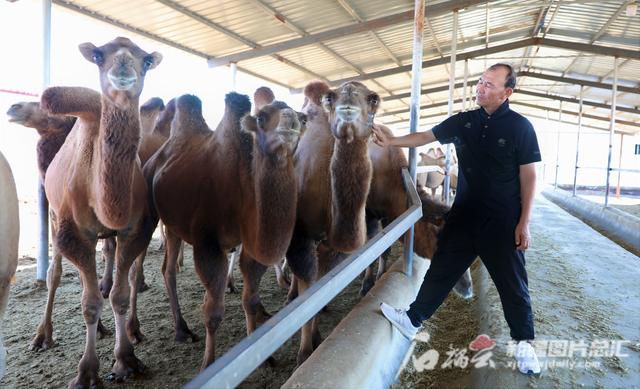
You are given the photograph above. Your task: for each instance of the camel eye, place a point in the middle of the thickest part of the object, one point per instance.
(148, 61)
(261, 120)
(98, 58)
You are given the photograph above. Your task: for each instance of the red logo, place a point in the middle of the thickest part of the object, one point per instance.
(482, 342)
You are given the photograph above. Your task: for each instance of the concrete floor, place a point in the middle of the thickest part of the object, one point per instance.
(584, 287)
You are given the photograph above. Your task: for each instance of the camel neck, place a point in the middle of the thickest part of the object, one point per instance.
(350, 181)
(119, 139)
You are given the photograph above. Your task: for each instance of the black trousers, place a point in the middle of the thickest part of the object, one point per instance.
(459, 243)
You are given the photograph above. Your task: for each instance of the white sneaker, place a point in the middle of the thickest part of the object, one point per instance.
(398, 317)
(526, 358)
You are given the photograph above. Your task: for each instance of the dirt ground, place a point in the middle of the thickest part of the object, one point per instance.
(169, 364)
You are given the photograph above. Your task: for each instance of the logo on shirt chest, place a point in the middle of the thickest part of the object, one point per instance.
(502, 142)
(468, 125)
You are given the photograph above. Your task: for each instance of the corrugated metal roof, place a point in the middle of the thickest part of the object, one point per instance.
(218, 29)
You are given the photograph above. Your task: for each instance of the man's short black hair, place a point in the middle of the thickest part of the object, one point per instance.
(511, 75)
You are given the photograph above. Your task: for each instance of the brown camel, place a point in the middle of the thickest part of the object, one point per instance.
(333, 172)
(237, 186)
(9, 234)
(96, 189)
(53, 131)
(388, 200)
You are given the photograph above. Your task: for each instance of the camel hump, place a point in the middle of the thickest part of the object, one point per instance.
(263, 96)
(237, 103)
(189, 106)
(154, 103)
(315, 90)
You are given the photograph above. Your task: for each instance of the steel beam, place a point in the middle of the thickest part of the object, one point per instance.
(576, 101)
(595, 49)
(578, 81)
(402, 17)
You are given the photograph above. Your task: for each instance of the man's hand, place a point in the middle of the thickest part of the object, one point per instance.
(382, 135)
(523, 238)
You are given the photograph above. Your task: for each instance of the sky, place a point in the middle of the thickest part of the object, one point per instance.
(180, 73)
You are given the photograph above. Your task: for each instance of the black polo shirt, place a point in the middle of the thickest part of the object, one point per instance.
(490, 150)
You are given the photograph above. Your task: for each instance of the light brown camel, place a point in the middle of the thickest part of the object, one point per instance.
(9, 234)
(433, 179)
(53, 131)
(237, 186)
(333, 172)
(96, 189)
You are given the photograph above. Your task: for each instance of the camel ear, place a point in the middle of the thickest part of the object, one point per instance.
(250, 123)
(90, 52)
(329, 100)
(152, 60)
(373, 99)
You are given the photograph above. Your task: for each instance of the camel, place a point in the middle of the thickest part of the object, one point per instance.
(9, 234)
(53, 131)
(237, 186)
(387, 201)
(434, 179)
(333, 172)
(96, 190)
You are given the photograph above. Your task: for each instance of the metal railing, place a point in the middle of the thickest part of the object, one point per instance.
(239, 362)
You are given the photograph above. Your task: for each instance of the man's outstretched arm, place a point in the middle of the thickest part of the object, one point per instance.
(383, 136)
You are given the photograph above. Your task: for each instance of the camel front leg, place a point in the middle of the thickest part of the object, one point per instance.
(301, 257)
(44, 334)
(169, 268)
(109, 258)
(81, 252)
(281, 275)
(128, 248)
(252, 272)
(211, 266)
(136, 281)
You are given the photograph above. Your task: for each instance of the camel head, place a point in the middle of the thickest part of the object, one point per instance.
(277, 128)
(429, 225)
(123, 66)
(291, 124)
(26, 113)
(351, 109)
(149, 113)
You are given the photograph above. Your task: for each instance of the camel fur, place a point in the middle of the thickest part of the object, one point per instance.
(96, 189)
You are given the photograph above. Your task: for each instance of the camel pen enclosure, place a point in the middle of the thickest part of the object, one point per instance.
(410, 65)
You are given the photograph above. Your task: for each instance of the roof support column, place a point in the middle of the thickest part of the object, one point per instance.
(575, 171)
(464, 85)
(234, 74)
(555, 182)
(414, 118)
(614, 92)
(43, 204)
(452, 83)
(619, 166)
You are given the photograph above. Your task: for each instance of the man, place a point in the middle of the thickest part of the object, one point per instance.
(497, 150)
